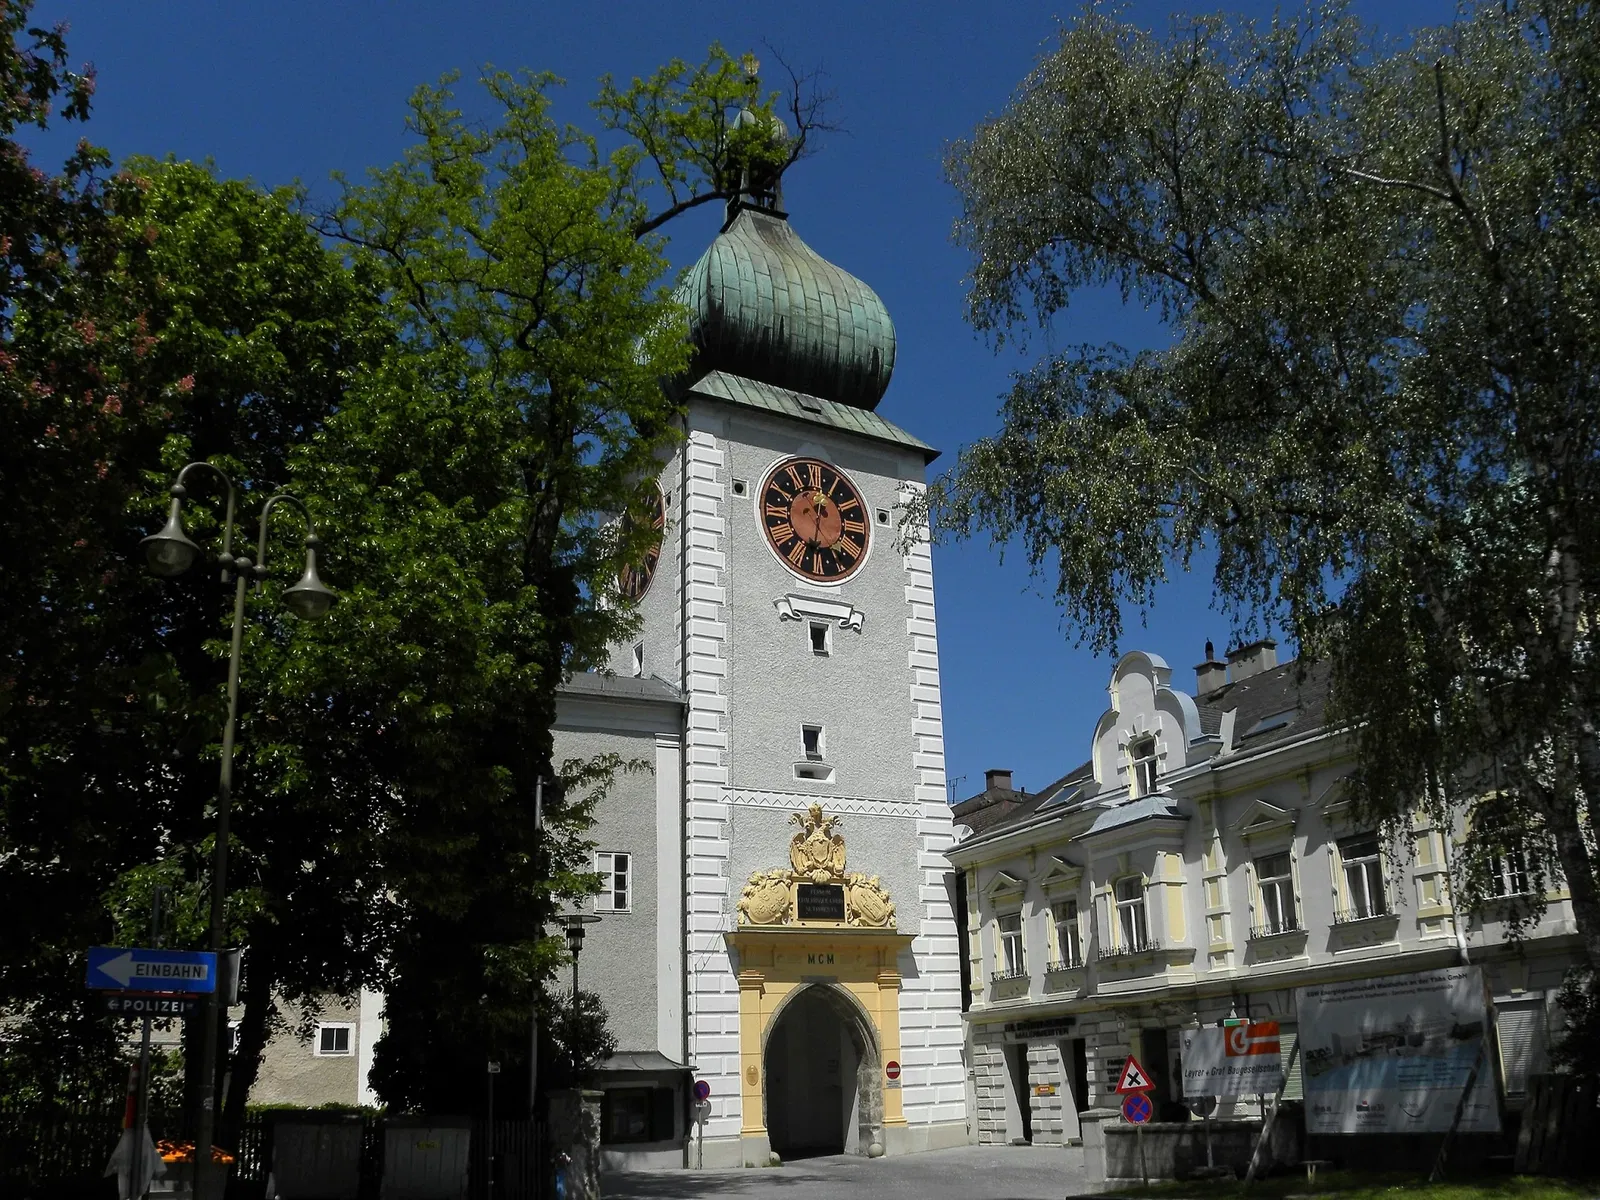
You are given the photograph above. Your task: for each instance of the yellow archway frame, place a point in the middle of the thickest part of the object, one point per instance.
(777, 951)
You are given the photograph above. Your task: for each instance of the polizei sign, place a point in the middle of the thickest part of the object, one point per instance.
(1240, 1060)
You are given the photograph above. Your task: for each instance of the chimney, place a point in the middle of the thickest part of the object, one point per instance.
(997, 779)
(1252, 659)
(1211, 675)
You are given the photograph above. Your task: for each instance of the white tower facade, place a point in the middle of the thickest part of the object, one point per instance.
(799, 623)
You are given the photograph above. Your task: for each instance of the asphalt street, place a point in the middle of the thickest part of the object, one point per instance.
(992, 1172)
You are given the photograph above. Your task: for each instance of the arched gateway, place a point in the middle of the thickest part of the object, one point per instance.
(817, 956)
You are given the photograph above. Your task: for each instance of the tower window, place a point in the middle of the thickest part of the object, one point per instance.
(615, 869)
(638, 660)
(1142, 759)
(740, 487)
(821, 643)
(883, 516)
(811, 741)
(333, 1040)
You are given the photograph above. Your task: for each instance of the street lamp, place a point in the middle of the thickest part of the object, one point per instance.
(575, 923)
(170, 553)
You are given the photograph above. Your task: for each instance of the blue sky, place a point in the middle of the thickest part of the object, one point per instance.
(293, 90)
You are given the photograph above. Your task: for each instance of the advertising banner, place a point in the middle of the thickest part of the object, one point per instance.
(1241, 1060)
(1392, 1055)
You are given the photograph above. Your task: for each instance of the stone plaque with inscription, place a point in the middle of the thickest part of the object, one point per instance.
(819, 901)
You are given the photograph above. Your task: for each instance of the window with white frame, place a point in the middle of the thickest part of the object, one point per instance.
(1069, 936)
(1009, 959)
(1275, 889)
(1363, 877)
(335, 1040)
(1142, 760)
(1133, 923)
(615, 869)
(1508, 873)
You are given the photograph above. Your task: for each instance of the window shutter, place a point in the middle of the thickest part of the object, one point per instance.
(1288, 1036)
(1521, 1026)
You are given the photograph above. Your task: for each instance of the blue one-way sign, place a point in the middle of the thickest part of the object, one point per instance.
(140, 970)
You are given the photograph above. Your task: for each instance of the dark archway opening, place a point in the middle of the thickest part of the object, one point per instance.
(824, 1087)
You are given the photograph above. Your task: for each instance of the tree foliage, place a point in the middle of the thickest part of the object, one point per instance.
(1379, 408)
(467, 393)
(474, 481)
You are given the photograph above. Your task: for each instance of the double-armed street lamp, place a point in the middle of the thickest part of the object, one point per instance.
(170, 553)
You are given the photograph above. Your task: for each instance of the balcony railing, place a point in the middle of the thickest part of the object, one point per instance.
(1129, 949)
(1002, 976)
(1073, 963)
(1349, 916)
(1274, 929)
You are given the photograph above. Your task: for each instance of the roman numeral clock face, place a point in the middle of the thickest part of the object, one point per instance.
(815, 519)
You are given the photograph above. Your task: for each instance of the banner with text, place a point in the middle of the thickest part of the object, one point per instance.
(1241, 1060)
(1392, 1055)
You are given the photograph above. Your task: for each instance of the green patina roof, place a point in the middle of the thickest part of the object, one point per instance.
(752, 393)
(765, 306)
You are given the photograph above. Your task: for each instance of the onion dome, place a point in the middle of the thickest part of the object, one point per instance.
(766, 306)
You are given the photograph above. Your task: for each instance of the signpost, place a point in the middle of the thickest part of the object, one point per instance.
(1134, 1085)
(140, 969)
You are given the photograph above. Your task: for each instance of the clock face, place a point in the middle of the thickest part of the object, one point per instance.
(815, 519)
(634, 581)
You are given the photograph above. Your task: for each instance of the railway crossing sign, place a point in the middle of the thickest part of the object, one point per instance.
(1136, 1108)
(1134, 1078)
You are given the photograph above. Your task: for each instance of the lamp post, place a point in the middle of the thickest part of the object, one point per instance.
(575, 923)
(170, 553)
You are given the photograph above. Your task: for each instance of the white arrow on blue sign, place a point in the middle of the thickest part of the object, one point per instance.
(141, 970)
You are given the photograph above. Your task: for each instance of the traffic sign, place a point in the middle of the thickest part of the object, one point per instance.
(132, 1004)
(702, 1090)
(1134, 1077)
(141, 970)
(1136, 1107)
(892, 1069)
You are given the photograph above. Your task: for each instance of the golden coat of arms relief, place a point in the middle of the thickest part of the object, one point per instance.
(816, 856)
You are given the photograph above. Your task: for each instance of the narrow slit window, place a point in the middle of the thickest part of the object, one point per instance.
(811, 741)
(821, 643)
(638, 660)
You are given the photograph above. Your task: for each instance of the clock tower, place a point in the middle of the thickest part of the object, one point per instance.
(821, 978)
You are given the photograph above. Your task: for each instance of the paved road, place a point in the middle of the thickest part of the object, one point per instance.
(992, 1172)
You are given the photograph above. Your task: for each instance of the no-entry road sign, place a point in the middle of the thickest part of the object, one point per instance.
(118, 968)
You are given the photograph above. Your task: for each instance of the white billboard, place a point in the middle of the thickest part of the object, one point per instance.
(1393, 1055)
(1240, 1060)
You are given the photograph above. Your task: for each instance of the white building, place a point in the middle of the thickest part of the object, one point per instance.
(1204, 862)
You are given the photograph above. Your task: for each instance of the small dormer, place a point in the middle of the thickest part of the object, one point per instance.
(1148, 731)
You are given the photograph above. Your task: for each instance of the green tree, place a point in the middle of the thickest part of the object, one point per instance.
(149, 316)
(1379, 407)
(473, 484)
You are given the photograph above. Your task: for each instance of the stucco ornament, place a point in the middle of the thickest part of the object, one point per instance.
(867, 903)
(817, 852)
(816, 856)
(768, 898)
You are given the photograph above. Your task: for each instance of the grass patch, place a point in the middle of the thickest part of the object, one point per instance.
(1354, 1185)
